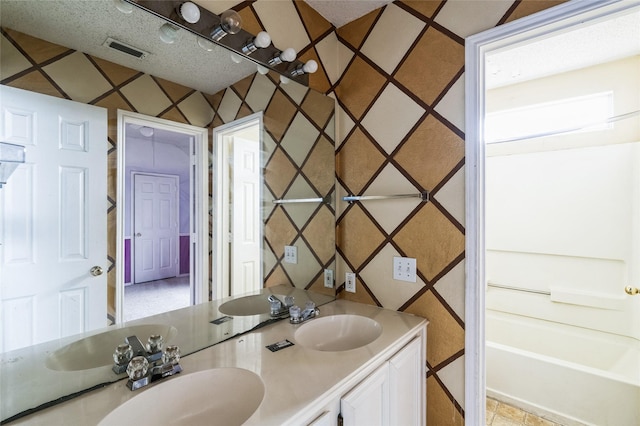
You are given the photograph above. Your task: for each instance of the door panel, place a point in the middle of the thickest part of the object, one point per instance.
(155, 227)
(54, 225)
(245, 220)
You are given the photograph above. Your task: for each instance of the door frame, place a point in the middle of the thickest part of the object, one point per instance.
(199, 272)
(133, 216)
(546, 22)
(220, 244)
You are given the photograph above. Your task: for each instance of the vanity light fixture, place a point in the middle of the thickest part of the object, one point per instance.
(230, 23)
(212, 29)
(168, 33)
(260, 41)
(309, 67)
(263, 70)
(123, 6)
(189, 12)
(287, 55)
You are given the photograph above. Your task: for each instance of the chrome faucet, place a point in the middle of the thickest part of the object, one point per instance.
(278, 307)
(146, 365)
(297, 316)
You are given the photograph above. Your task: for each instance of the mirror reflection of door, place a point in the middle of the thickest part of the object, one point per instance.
(238, 230)
(159, 198)
(245, 214)
(53, 219)
(155, 230)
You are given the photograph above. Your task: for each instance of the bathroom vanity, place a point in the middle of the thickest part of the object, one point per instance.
(361, 363)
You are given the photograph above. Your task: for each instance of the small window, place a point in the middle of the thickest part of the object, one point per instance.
(571, 115)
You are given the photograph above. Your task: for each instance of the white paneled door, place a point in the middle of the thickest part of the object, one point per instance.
(245, 220)
(53, 235)
(155, 229)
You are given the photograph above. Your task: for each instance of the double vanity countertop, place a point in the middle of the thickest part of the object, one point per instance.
(296, 378)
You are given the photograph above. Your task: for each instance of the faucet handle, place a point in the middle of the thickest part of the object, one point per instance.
(288, 301)
(294, 313)
(122, 354)
(137, 368)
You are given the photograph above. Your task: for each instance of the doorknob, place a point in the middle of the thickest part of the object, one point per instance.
(96, 270)
(631, 290)
(138, 235)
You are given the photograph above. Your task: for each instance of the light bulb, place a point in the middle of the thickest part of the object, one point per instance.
(230, 23)
(123, 6)
(206, 44)
(189, 12)
(236, 58)
(287, 55)
(146, 131)
(262, 40)
(262, 69)
(168, 33)
(310, 67)
(284, 80)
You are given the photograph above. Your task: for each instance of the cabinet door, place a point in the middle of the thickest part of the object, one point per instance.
(368, 403)
(406, 384)
(324, 419)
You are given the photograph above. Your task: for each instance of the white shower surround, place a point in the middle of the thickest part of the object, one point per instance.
(476, 47)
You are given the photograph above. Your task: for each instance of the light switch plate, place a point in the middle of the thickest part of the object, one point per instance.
(290, 254)
(350, 282)
(328, 278)
(404, 269)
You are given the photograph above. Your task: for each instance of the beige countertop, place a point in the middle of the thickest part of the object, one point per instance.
(26, 382)
(296, 379)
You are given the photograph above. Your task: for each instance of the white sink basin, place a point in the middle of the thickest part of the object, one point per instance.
(220, 396)
(97, 350)
(338, 333)
(248, 305)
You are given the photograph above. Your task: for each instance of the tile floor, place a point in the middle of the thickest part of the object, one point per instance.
(501, 414)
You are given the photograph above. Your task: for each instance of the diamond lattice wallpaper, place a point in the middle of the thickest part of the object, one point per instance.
(399, 128)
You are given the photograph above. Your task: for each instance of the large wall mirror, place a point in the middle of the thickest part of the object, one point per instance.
(43, 51)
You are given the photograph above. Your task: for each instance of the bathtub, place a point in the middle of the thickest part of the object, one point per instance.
(566, 374)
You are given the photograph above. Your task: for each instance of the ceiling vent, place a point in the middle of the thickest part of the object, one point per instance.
(125, 48)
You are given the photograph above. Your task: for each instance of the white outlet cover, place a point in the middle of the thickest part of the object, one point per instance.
(404, 269)
(350, 282)
(290, 254)
(328, 278)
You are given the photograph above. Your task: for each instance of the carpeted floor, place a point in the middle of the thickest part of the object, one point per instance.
(155, 297)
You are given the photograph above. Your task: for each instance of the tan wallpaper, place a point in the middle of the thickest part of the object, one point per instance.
(399, 129)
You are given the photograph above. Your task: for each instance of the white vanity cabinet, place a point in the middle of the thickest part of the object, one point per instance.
(393, 394)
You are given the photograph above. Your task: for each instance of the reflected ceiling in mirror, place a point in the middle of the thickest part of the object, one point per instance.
(85, 26)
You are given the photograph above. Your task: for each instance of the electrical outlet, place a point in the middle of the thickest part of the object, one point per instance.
(404, 269)
(290, 254)
(328, 278)
(350, 282)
